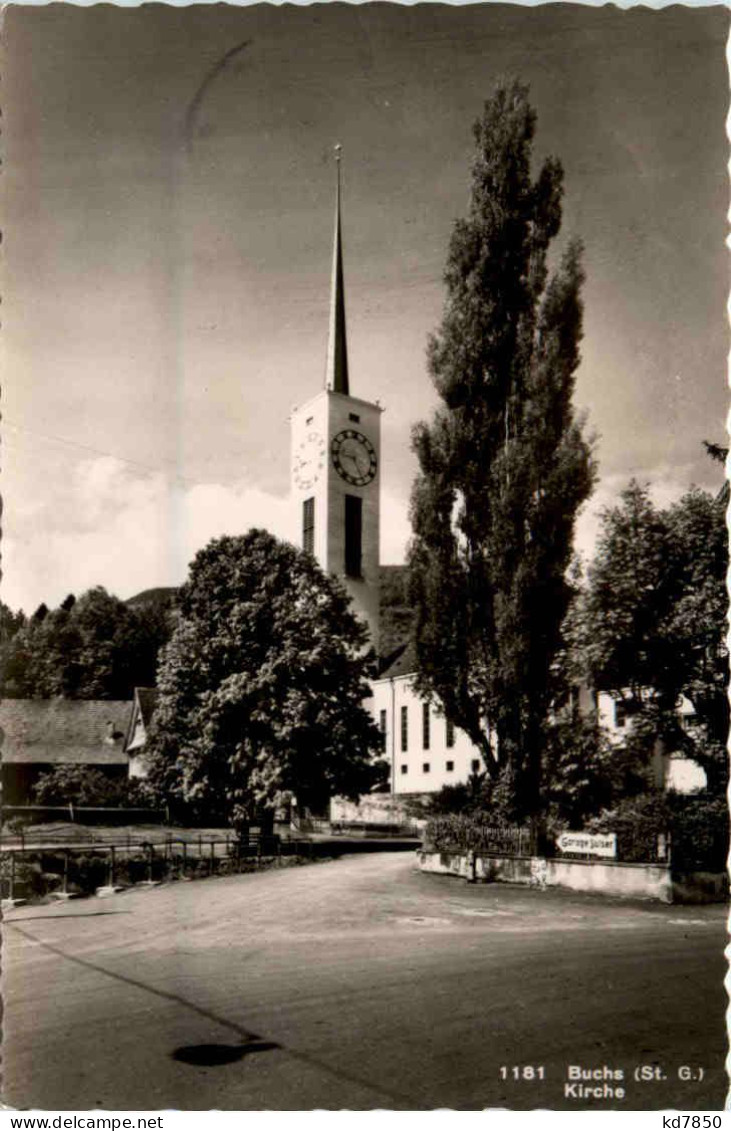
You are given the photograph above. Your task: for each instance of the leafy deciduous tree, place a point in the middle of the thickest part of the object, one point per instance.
(260, 689)
(95, 647)
(650, 626)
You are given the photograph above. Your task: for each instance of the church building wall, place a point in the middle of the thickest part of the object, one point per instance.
(424, 756)
(451, 757)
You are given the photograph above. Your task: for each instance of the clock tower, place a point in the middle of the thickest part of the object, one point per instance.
(336, 469)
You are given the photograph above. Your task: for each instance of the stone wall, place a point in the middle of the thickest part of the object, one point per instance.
(640, 881)
(377, 809)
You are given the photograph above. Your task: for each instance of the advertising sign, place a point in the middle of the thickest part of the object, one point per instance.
(590, 844)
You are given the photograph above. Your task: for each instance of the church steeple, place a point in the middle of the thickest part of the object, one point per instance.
(336, 376)
(336, 452)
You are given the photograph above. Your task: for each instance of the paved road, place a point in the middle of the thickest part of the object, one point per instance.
(358, 983)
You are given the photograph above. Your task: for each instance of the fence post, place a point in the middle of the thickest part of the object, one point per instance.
(65, 871)
(149, 866)
(12, 875)
(213, 856)
(185, 856)
(112, 866)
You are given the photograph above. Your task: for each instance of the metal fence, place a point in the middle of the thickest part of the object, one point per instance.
(467, 834)
(62, 868)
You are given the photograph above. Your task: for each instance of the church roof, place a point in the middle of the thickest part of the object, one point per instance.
(336, 375)
(64, 731)
(401, 661)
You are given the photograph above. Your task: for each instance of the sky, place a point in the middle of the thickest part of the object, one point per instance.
(168, 200)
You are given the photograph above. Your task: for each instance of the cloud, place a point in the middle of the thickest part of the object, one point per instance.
(666, 484)
(108, 524)
(395, 528)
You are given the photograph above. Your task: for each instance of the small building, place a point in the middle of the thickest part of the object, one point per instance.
(41, 734)
(674, 770)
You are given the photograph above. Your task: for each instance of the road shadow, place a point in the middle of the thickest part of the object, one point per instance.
(250, 1042)
(36, 918)
(209, 1056)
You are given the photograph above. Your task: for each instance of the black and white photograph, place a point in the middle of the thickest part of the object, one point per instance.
(363, 617)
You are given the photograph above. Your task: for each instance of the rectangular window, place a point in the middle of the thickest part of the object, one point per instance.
(450, 733)
(425, 767)
(354, 417)
(353, 535)
(308, 526)
(404, 769)
(450, 767)
(475, 765)
(620, 714)
(383, 729)
(425, 726)
(404, 728)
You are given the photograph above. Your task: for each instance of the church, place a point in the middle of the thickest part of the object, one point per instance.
(335, 489)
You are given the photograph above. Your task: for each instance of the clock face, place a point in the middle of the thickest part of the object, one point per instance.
(309, 460)
(354, 457)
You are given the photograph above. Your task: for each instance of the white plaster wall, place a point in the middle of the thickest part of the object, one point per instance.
(673, 771)
(311, 420)
(684, 776)
(390, 696)
(324, 416)
(364, 592)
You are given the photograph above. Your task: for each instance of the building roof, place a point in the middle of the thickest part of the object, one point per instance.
(64, 731)
(147, 699)
(402, 661)
(140, 718)
(336, 374)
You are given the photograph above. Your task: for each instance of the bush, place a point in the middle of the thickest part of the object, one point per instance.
(698, 827)
(637, 823)
(86, 786)
(489, 801)
(462, 798)
(699, 832)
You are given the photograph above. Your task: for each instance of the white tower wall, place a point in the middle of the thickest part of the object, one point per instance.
(315, 476)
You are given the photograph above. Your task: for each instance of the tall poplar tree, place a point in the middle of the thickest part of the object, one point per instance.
(503, 465)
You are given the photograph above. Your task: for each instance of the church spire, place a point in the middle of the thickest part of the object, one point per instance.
(336, 376)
